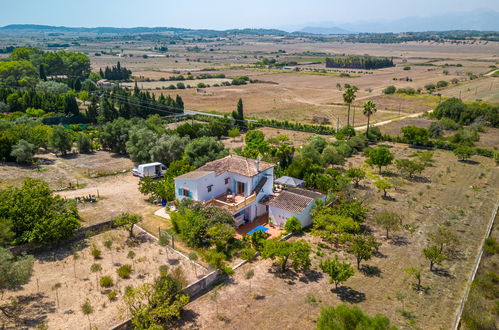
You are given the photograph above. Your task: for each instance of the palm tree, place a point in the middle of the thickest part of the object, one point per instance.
(369, 110)
(349, 97)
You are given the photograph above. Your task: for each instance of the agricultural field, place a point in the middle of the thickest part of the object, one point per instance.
(435, 200)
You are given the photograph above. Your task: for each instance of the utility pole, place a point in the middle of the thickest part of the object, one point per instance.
(338, 124)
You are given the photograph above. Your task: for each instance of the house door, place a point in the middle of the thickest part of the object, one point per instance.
(240, 188)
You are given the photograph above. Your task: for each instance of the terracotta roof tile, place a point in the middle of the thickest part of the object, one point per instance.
(236, 164)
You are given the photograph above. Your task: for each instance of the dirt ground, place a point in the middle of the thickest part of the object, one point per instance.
(449, 193)
(61, 308)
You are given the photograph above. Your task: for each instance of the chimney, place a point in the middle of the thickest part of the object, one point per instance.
(257, 164)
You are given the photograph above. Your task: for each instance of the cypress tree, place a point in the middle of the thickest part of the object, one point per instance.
(70, 105)
(179, 103)
(42, 74)
(92, 111)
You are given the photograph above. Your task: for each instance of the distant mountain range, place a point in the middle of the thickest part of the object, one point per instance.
(481, 20)
(478, 20)
(134, 30)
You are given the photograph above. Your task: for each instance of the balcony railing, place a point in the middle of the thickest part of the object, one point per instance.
(232, 207)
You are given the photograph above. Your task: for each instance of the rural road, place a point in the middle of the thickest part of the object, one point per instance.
(381, 123)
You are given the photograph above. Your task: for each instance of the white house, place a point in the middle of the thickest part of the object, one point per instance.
(293, 203)
(235, 183)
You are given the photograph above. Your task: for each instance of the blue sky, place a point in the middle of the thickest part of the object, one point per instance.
(221, 14)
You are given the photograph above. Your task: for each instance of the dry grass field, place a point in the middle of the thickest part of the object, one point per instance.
(42, 304)
(298, 96)
(451, 193)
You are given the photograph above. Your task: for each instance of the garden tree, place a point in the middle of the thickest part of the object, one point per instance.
(92, 111)
(107, 111)
(464, 152)
(7, 141)
(338, 271)
(18, 73)
(433, 255)
(416, 273)
(23, 151)
(446, 240)
(234, 133)
(390, 90)
(168, 149)
(383, 185)
(60, 139)
(87, 309)
(114, 135)
(388, 220)
(415, 135)
(127, 221)
(192, 221)
(435, 130)
(256, 240)
(6, 233)
(255, 144)
(140, 143)
(356, 174)
(424, 157)
(204, 149)
(14, 271)
(293, 225)
(451, 108)
(96, 268)
(466, 136)
(51, 87)
(331, 156)
(70, 105)
(379, 157)
(165, 188)
(348, 98)
(221, 234)
(238, 115)
(333, 228)
(56, 288)
(247, 254)
(409, 167)
(344, 317)
(369, 110)
(363, 247)
(179, 103)
(84, 143)
(249, 275)
(298, 252)
(36, 215)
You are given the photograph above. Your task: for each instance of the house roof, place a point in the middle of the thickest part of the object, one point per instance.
(193, 175)
(307, 193)
(294, 200)
(289, 181)
(236, 164)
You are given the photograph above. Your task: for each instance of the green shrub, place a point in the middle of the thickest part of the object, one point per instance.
(96, 253)
(389, 90)
(106, 281)
(113, 295)
(124, 271)
(293, 225)
(491, 247)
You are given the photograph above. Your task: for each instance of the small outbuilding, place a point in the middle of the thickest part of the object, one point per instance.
(293, 203)
(290, 182)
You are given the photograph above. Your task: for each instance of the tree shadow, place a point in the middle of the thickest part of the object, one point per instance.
(419, 179)
(173, 262)
(370, 271)
(259, 297)
(390, 174)
(31, 310)
(289, 275)
(69, 156)
(188, 317)
(389, 198)
(346, 293)
(469, 162)
(311, 276)
(442, 272)
(400, 240)
(378, 254)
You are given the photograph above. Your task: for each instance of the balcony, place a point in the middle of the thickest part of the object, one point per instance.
(232, 203)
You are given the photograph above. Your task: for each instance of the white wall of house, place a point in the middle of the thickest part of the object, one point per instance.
(279, 216)
(199, 186)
